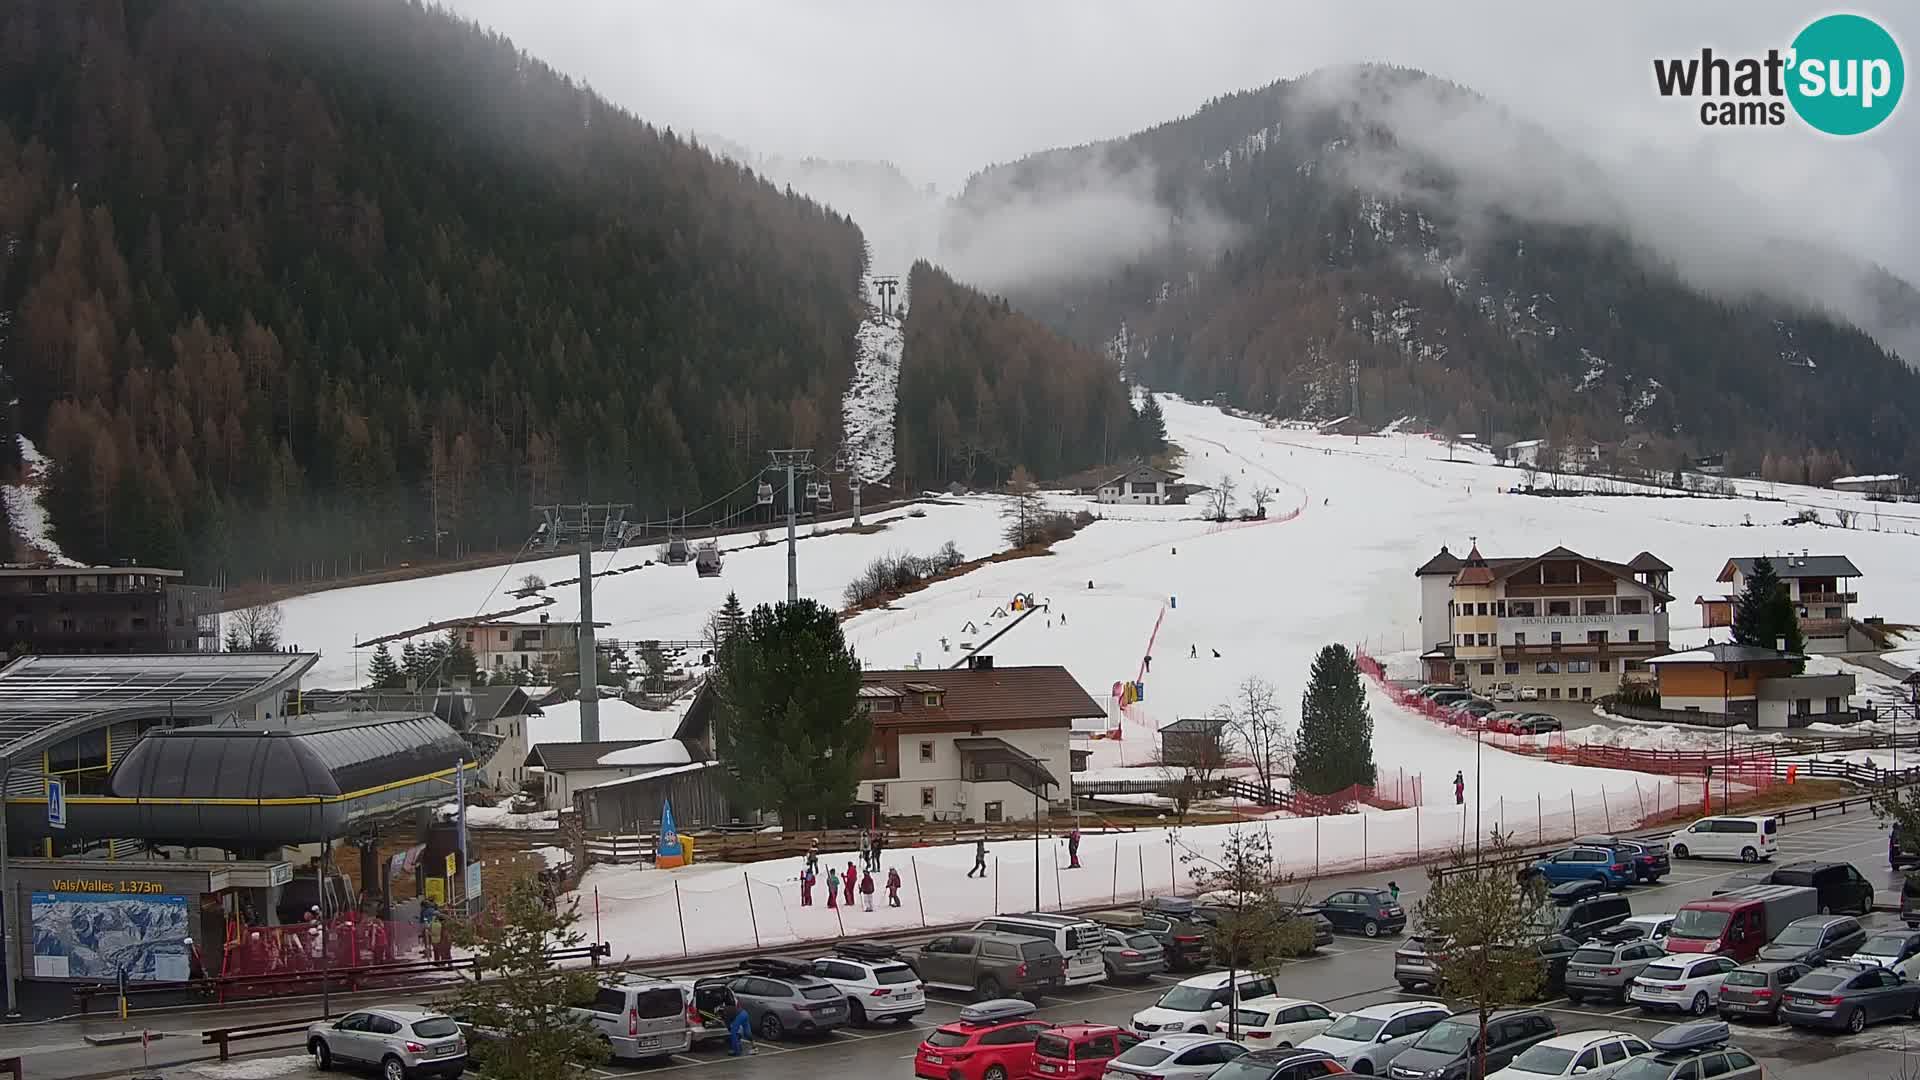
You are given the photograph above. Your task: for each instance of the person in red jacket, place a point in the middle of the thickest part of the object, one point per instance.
(893, 887)
(806, 887)
(850, 881)
(866, 890)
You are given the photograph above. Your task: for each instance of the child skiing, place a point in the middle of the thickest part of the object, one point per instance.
(893, 887)
(833, 887)
(806, 887)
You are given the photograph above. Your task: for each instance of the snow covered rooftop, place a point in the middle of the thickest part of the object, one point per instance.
(664, 752)
(618, 720)
(655, 774)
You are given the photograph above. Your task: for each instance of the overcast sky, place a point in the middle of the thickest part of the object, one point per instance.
(944, 87)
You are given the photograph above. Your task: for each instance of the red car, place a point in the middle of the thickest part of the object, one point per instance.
(1079, 1051)
(991, 1041)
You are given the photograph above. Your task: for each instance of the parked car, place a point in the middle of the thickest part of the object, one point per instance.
(1842, 888)
(1910, 901)
(1581, 919)
(1650, 858)
(1753, 991)
(1596, 1054)
(1652, 928)
(1849, 996)
(1556, 953)
(1427, 690)
(1181, 1056)
(1536, 724)
(1450, 1049)
(1895, 950)
(876, 988)
(1293, 1064)
(1444, 698)
(1079, 1051)
(1605, 865)
(1135, 955)
(710, 1004)
(399, 1043)
(1750, 839)
(1367, 1040)
(783, 996)
(1079, 941)
(1476, 708)
(640, 1018)
(1901, 850)
(1690, 1052)
(1739, 923)
(1569, 892)
(988, 966)
(1269, 1022)
(1816, 939)
(1196, 1004)
(1605, 970)
(1371, 912)
(1505, 692)
(1681, 983)
(1413, 965)
(992, 1039)
(1183, 940)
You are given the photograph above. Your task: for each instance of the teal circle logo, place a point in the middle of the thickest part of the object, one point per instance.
(1846, 76)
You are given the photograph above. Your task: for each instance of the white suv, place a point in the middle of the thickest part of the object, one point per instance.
(1196, 1004)
(877, 989)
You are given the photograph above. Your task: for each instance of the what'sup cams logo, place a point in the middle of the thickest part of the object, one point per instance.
(1842, 75)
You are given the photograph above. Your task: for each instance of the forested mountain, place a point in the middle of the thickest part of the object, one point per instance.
(984, 389)
(293, 287)
(1472, 268)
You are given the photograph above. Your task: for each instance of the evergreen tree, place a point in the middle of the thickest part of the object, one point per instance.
(520, 993)
(382, 672)
(786, 721)
(1149, 427)
(458, 661)
(410, 663)
(730, 618)
(1335, 747)
(1763, 613)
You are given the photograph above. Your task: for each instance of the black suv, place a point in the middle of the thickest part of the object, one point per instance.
(1278, 1065)
(1585, 918)
(1449, 1050)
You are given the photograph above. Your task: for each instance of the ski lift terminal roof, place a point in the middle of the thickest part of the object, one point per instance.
(44, 699)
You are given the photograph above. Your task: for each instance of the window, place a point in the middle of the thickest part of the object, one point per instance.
(992, 811)
(1466, 640)
(926, 751)
(1500, 608)
(1630, 605)
(1596, 637)
(1579, 667)
(1830, 613)
(1519, 637)
(469, 637)
(1487, 669)
(1483, 609)
(1559, 607)
(1459, 669)
(926, 797)
(1483, 641)
(1833, 704)
(1586, 693)
(1523, 609)
(1803, 706)
(1593, 607)
(503, 637)
(1546, 667)
(1635, 665)
(1553, 694)
(1588, 1059)
(1512, 668)
(932, 701)
(1606, 665)
(879, 755)
(1554, 637)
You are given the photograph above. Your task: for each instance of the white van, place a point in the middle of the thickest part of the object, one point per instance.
(1081, 942)
(1749, 839)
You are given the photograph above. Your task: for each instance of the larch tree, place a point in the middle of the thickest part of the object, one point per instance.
(518, 991)
(786, 717)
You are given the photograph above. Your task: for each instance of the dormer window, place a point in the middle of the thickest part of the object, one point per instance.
(932, 701)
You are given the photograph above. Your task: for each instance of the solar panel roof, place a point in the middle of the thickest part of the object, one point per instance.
(44, 698)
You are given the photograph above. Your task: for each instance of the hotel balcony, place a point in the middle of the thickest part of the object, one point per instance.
(1583, 648)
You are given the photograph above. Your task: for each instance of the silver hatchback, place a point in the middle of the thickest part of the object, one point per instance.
(1604, 970)
(400, 1043)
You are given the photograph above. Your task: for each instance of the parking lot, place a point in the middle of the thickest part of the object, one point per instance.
(1350, 973)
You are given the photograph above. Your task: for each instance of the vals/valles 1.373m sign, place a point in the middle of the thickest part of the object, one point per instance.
(1843, 75)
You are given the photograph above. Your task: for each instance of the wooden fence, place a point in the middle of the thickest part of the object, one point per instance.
(762, 846)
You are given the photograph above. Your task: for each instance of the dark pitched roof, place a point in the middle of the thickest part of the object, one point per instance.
(1046, 693)
(1444, 563)
(562, 756)
(491, 702)
(1794, 566)
(1506, 568)
(1144, 472)
(1647, 561)
(1475, 570)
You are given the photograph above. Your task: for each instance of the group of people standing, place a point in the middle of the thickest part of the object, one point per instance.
(855, 879)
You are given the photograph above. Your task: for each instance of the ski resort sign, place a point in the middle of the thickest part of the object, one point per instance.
(1842, 75)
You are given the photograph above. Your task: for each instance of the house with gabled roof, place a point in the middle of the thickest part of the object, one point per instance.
(1820, 586)
(1566, 625)
(1140, 484)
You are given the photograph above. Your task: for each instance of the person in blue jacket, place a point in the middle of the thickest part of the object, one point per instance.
(739, 1031)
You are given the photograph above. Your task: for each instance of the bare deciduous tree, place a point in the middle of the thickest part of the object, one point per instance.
(532, 583)
(1258, 726)
(254, 629)
(1220, 499)
(1261, 496)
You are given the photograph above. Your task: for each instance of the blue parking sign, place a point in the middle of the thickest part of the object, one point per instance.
(56, 803)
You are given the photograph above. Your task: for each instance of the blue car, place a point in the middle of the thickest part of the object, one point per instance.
(1609, 866)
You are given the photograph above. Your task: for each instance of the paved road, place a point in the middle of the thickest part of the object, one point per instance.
(1348, 974)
